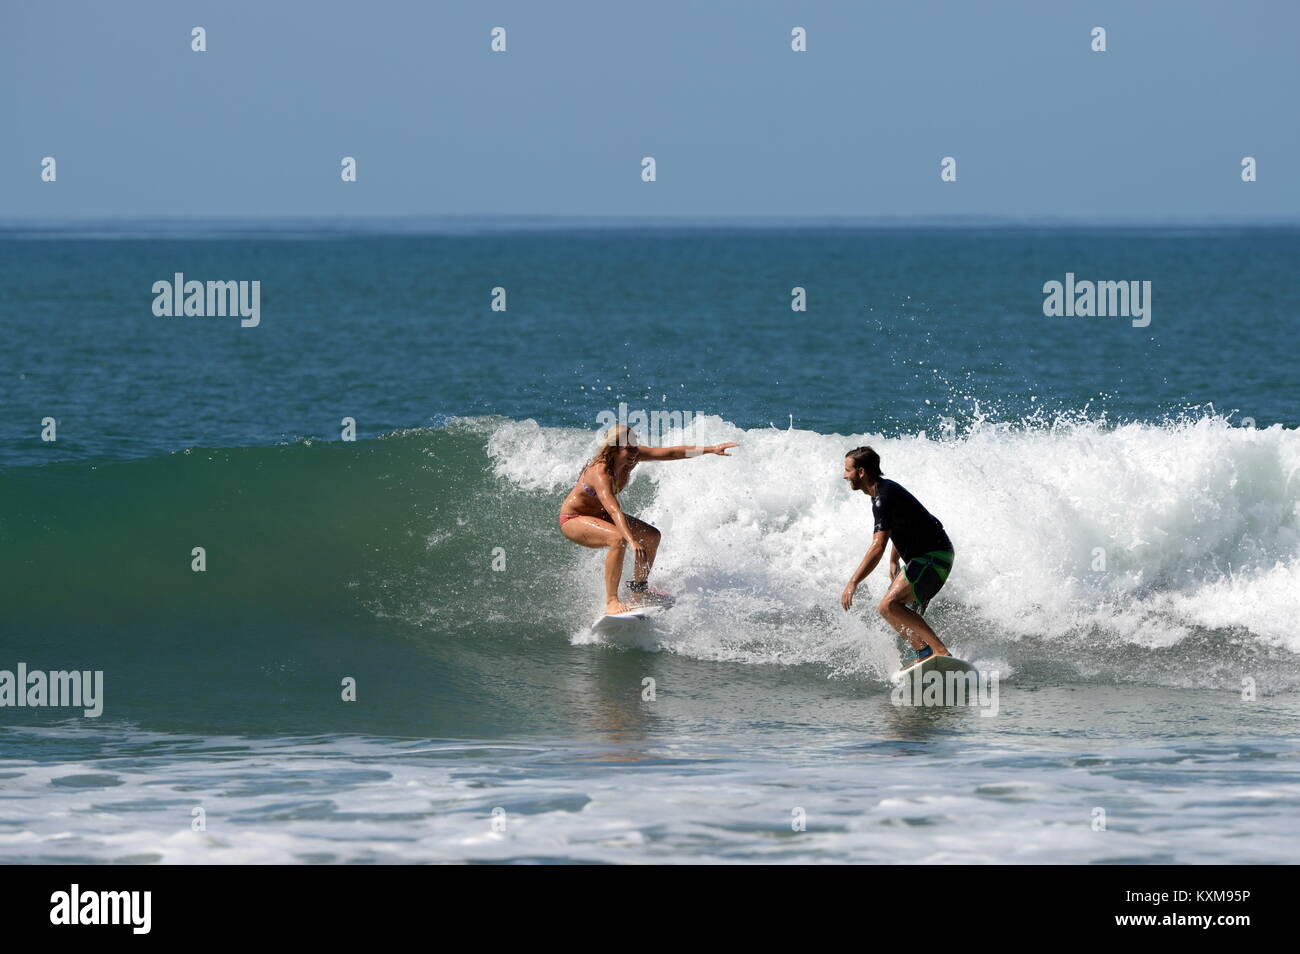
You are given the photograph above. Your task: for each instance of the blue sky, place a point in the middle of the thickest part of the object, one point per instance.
(1041, 126)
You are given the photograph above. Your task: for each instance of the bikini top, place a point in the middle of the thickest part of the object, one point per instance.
(582, 480)
(585, 488)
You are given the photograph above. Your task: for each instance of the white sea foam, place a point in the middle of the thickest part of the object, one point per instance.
(984, 798)
(1198, 523)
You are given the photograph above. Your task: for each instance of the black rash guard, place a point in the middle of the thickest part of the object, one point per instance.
(910, 526)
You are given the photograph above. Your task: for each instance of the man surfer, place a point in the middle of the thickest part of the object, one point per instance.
(918, 538)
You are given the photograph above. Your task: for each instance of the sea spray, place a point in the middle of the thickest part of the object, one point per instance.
(1139, 535)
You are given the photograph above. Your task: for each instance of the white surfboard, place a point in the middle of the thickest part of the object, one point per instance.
(931, 664)
(631, 621)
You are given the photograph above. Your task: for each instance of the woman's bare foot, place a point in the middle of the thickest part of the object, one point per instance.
(614, 607)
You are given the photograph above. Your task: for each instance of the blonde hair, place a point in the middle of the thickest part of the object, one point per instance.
(620, 435)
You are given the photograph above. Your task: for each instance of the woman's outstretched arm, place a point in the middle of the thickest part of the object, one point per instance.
(682, 451)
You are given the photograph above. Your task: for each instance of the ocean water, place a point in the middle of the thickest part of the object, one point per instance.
(1125, 503)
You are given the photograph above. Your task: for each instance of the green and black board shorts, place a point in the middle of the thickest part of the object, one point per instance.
(928, 574)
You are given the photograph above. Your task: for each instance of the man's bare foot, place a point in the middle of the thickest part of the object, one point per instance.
(650, 596)
(614, 607)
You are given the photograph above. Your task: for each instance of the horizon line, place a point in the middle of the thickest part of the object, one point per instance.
(498, 222)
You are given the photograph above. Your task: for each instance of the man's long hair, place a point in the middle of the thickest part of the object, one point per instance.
(864, 458)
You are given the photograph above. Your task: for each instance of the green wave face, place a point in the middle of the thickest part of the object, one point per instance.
(373, 560)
